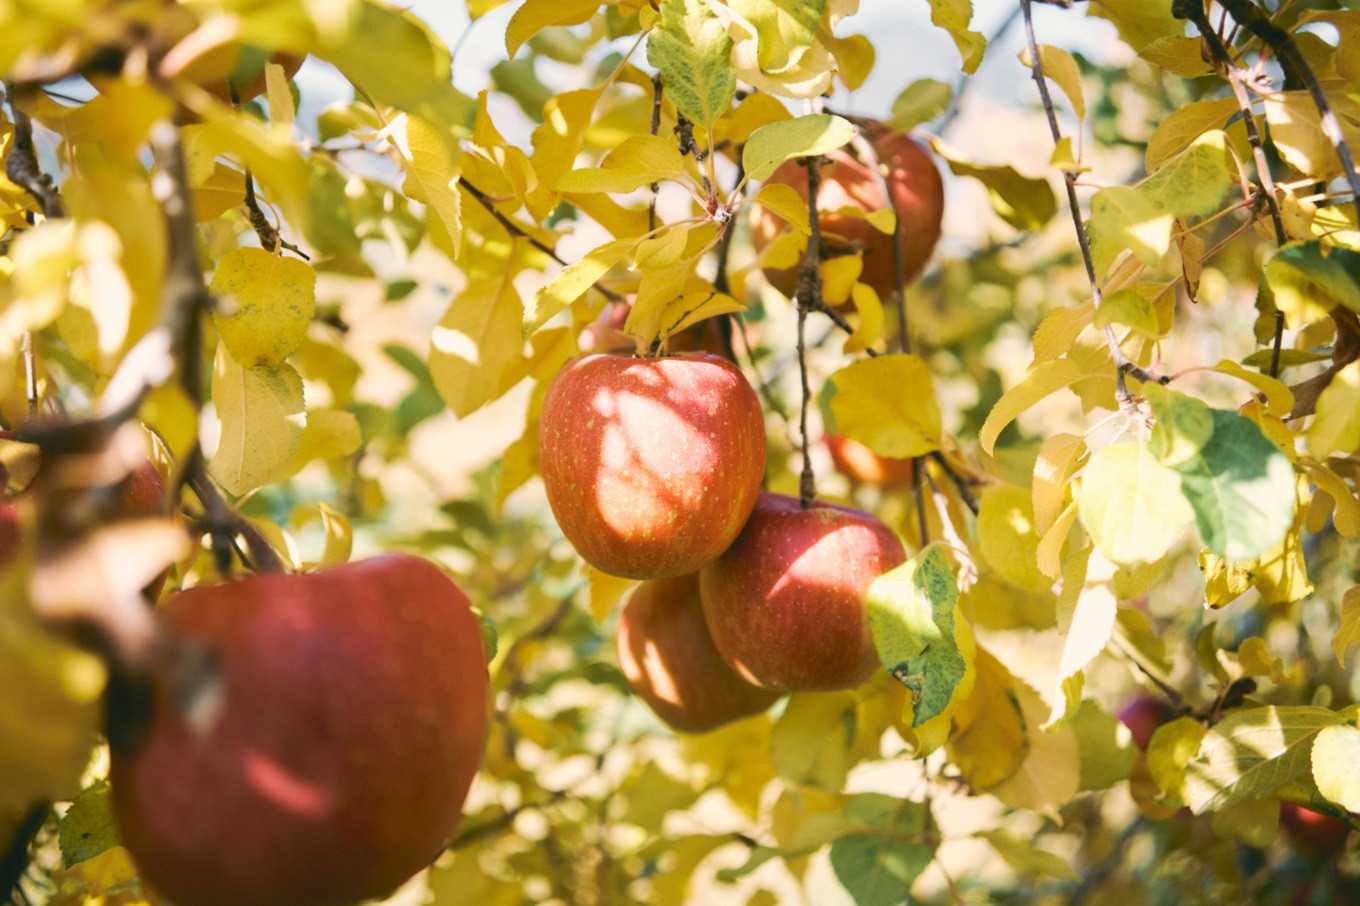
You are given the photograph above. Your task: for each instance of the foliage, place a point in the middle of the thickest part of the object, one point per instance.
(1135, 430)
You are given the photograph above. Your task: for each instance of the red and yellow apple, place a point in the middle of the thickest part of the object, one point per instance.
(671, 663)
(328, 758)
(917, 192)
(863, 466)
(651, 465)
(786, 602)
(1143, 714)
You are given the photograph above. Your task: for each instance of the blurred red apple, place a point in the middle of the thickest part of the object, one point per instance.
(331, 761)
(1317, 834)
(918, 200)
(1143, 714)
(651, 465)
(785, 603)
(863, 466)
(671, 663)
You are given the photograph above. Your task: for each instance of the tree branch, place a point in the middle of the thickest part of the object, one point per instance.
(14, 860)
(809, 291)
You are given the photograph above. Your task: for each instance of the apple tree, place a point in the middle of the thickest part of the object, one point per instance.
(768, 499)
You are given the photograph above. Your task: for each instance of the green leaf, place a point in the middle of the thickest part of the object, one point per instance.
(262, 415)
(920, 102)
(1309, 279)
(1131, 504)
(869, 405)
(1252, 753)
(878, 868)
(1131, 309)
(911, 613)
(1336, 765)
(954, 16)
(803, 136)
(87, 828)
(267, 302)
(785, 29)
(693, 52)
(1240, 486)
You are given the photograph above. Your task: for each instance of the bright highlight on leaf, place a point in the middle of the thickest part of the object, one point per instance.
(888, 404)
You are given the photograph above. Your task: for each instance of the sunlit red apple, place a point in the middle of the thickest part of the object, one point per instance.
(917, 191)
(331, 760)
(651, 465)
(786, 603)
(863, 466)
(671, 663)
(1143, 714)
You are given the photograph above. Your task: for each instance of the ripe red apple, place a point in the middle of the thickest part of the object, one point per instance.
(651, 465)
(863, 466)
(786, 602)
(671, 663)
(332, 762)
(1143, 714)
(1317, 834)
(918, 200)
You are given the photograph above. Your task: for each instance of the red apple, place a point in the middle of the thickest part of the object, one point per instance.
(863, 466)
(651, 465)
(1315, 833)
(332, 762)
(671, 663)
(1143, 714)
(786, 603)
(918, 200)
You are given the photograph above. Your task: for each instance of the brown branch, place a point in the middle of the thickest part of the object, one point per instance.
(1122, 364)
(225, 523)
(1250, 16)
(22, 167)
(14, 860)
(808, 294)
(960, 483)
(656, 126)
(266, 231)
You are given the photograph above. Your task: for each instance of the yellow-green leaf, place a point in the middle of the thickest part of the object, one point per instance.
(536, 15)
(954, 16)
(1140, 22)
(329, 434)
(1007, 536)
(267, 301)
(1086, 613)
(1336, 427)
(1132, 505)
(693, 52)
(803, 136)
(784, 29)
(573, 281)
(1041, 381)
(1026, 859)
(638, 161)
(1059, 458)
(1025, 202)
(1349, 630)
(1336, 765)
(888, 404)
(785, 201)
(1059, 66)
(262, 417)
(1185, 124)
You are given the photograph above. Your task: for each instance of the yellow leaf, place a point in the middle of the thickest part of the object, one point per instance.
(1048, 777)
(476, 343)
(1169, 752)
(662, 250)
(1049, 552)
(988, 742)
(573, 281)
(262, 416)
(1129, 308)
(1086, 615)
(1336, 765)
(1025, 202)
(1347, 508)
(1349, 629)
(1059, 66)
(693, 307)
(839, 275)
(267, 301)
(431, 170)
(1059, 330)
(954, 16)
(606, 591)
(888, 404)
(810, 739)
(1023, 856)
(1225, 582)
(785, 201)
(566, 117)
(869, 330)
(1279, 398)
(329, 434)
(1006, 534)
(1041, 381)
(638, 161)
(1178, 55)
(281, 109)
(219, 192)
(278, 168)
(1182, 126)
(755, 110)
(1336, 426)
(1132, 505)
(339, 536)
(1297, 131)
(536, 15)
(1059, 458)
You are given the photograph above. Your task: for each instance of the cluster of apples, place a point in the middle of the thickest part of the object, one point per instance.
(653, 469)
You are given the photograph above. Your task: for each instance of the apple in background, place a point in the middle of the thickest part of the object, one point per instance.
(863, 466)
(786, 603)
(651, 465)
(1319, 835)
(326, 757)
(671, 663)
(1143, 714)
(918, 199)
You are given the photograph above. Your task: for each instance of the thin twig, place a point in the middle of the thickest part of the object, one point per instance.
(268, 233)
(22, 167)
(656, 126)
(965, 493)
(225, 523)
(1250, 16)
(684, 134)
(809, 289)
(1122, 364)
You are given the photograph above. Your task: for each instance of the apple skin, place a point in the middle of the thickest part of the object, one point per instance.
(671, 663)
(1319, 835)
(863, 466)
(918, 199)
(786, 603)
(1143, 714)
(651, 465)
(352, 716)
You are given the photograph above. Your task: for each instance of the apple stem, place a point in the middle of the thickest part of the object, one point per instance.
(809, 295)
